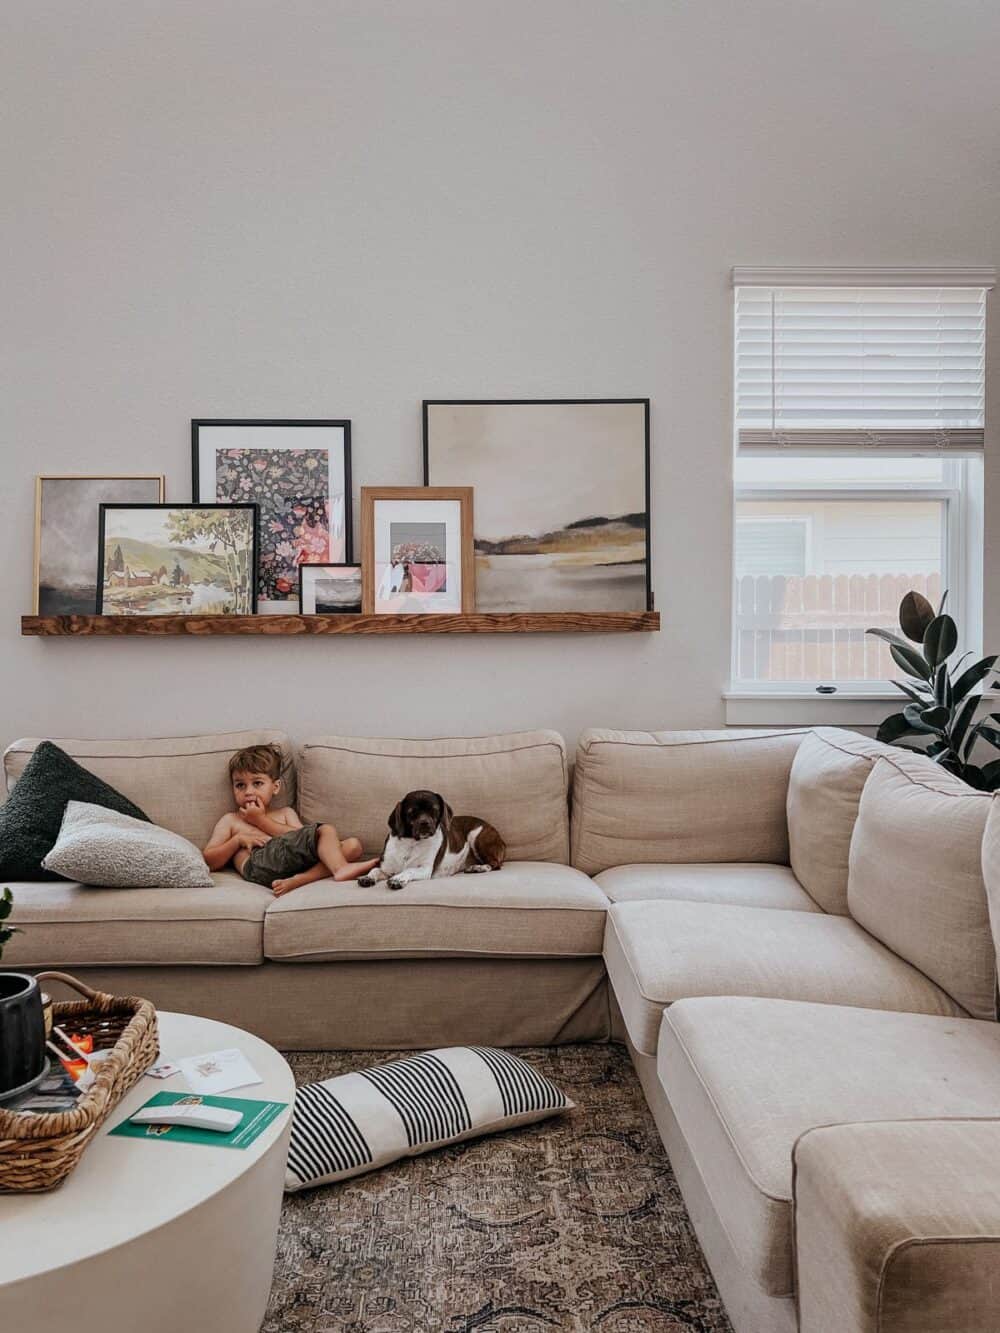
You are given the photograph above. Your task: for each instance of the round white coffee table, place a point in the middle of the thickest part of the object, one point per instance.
(163, 1237)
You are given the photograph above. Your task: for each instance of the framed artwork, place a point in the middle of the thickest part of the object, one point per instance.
(177, 559)
(562, 498)
(66, 523)
(329, 590)
(299, 473)
(416, 550)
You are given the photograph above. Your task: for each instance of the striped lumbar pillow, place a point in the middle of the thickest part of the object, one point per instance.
(358, 1122)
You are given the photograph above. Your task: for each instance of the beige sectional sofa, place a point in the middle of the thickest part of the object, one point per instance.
(791, 930)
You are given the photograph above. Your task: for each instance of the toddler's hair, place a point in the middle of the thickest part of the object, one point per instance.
(257, 759)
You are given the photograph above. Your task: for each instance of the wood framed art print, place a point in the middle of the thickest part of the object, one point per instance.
(416, 550)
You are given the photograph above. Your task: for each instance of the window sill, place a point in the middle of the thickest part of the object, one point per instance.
(749, 708)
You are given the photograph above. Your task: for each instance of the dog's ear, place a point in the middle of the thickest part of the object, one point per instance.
(447, 815)
(396, 821)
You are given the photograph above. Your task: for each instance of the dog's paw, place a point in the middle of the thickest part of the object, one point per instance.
(396, 882)
(478, 869)
(367, 881)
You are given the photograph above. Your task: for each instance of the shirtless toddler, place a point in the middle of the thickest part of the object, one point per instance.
(275, 848)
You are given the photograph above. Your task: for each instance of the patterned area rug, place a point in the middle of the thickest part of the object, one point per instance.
(574, 1225)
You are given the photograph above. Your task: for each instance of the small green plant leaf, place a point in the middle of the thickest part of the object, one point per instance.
(914, 715)
(936, 718)
(919, 692)
(971, 677)
(894, 726)
(915, 614)
(940, 640)
(890, 636)
(991, 775)
(911, 661)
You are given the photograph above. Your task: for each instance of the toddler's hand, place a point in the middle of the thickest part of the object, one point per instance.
(248, 841)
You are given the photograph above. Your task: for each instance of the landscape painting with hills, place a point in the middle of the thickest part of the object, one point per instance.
(178, 559)
(561, 521)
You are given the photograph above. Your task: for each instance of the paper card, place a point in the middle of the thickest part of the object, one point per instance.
(218, 1071)
(163, 1070)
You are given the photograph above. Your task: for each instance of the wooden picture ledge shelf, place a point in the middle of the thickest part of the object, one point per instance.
(549, 622)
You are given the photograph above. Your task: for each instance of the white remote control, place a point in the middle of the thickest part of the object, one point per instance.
(187, 1113)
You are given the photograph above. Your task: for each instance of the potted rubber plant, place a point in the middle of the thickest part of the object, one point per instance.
(944, 694)
(22, 1024)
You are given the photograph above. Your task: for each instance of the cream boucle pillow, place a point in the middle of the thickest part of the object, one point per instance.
(100, 847)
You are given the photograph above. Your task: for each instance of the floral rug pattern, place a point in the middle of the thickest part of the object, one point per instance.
(574, 1225)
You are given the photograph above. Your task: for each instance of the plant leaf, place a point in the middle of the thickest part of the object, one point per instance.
(944, 598)
(890, 636)
(986, 732)
(894, 726)
(991, 775)
(919, 693)
(937, 718)
(915, 614)
(972, 677)
(963, 717)
(973, 775)
(940, 640)
(911, 661)
(914, 716)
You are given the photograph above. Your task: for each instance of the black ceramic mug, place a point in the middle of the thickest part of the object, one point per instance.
(22, 1031)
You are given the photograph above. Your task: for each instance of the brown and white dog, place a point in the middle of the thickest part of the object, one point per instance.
(428, 841)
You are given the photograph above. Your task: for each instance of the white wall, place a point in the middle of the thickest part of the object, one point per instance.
(339, 207)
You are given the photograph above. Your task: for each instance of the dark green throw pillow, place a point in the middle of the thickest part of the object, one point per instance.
(31, 818)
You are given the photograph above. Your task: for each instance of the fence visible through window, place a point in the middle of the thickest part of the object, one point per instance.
(812, 628)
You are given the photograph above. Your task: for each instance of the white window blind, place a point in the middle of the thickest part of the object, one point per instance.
(829, 369)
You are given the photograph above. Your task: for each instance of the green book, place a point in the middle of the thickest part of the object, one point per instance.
(256, 1118)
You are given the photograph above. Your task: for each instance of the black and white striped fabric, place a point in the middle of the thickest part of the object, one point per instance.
(360, 1121)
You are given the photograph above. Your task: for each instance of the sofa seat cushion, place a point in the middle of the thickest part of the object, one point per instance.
(745, 1077)
(746, 884)
(527, 909)
(73, 925)
(660, 952)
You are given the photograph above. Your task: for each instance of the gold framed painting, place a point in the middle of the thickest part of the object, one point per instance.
(67, 508)
(416, 550)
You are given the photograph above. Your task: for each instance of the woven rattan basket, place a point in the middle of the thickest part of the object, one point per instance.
(37, 1152)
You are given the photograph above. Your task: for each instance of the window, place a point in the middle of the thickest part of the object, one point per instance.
(858, 472)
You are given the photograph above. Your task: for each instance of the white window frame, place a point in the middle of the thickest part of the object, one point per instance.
(863, 703)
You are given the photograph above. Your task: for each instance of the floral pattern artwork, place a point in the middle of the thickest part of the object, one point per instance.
(300, 522)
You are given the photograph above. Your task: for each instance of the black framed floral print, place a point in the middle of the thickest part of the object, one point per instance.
(299, 473)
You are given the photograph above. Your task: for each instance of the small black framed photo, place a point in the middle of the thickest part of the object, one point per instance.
(329, 590)
(177, 559)
(299, 472)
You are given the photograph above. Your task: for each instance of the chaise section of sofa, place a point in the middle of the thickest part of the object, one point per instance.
(752, 1026)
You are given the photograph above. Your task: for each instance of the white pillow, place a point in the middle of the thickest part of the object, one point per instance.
(100, 847)
(358, 1122)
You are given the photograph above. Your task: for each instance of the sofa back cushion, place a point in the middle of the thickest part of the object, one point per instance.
(916, 878)
(830, 769)
(681, 796)
(518, 782)
(181, 782)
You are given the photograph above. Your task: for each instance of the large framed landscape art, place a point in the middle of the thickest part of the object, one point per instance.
(177, 559)
(299, 473)
(562, 498)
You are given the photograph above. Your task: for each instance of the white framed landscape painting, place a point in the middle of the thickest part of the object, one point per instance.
(299, 473)
(562, 498)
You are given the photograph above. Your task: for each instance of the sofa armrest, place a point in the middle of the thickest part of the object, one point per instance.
(897, 1227)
